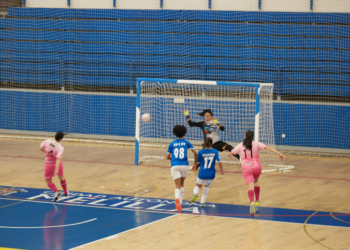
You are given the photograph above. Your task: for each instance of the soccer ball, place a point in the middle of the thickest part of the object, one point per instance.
(146, 117)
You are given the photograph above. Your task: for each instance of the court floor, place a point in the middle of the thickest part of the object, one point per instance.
(116, 205)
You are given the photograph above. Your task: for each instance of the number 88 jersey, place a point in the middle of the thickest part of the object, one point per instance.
(178, 150)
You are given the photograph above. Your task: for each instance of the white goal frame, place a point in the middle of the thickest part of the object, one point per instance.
(257, 86)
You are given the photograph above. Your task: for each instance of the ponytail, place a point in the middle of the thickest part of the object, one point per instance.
(247, 142)
(207, 143)
(59, 136)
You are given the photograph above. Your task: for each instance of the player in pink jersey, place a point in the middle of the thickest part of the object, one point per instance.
(53, 162)
(251, 166)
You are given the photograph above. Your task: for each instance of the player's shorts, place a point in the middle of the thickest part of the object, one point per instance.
(219, 145)
(251, 170)
(204, 182)
(50, 170)
(179, 171)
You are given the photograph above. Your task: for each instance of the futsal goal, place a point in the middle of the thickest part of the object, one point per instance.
(238, 106)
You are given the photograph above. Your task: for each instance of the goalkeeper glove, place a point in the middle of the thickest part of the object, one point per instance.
(216, 122)
(187, 114)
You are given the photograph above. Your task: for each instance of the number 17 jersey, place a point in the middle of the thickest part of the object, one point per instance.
(178, 150)
(206, 158)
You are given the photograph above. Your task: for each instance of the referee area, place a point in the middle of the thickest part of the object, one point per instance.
(116, 205)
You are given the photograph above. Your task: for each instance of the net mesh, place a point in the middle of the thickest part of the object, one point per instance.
(233, 105)
(74, 69)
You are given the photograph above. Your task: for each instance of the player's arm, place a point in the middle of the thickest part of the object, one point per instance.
(198, 162)
(190, 122)
(221, 169)
(42, 147)
(276, 152)
(195, 159)
(58, 163)
(170, 149)
(234, 151)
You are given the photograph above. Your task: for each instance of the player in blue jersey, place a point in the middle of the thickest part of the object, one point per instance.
(177, 153)
(206, 158)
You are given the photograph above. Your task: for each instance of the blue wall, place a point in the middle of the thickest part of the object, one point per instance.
(327, 127)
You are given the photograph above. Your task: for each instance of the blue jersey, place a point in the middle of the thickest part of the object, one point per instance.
(178, 151)
(207, 158)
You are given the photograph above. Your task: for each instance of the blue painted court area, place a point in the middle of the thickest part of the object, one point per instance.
(30, 220)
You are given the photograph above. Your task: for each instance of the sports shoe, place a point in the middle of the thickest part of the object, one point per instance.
(257, 205)
(202, 204)
(67, 194)
(178, 205)
(57, 194)
(252, 208)
(194, 197)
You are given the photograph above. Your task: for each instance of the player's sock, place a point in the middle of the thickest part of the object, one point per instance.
(177, 199)
(251, 195)
(229, 149)
(205, 194)
(177, 194)
(257, 193)
(195, 194)
(52, 187)
(64, 186)
(182, 192)
(196, 190)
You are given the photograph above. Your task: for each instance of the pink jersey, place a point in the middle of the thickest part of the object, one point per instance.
(53, 150)
(246, 154)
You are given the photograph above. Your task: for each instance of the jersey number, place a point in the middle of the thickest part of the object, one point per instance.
(206, 160)
(50, 153)
(245, 153)
(182, 153)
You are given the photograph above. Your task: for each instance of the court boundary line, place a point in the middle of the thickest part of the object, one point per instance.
(153, 166)
(115, 235)
(174, 213)
(68, 225)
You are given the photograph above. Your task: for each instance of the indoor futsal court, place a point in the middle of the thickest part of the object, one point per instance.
(116, 205)
(175, 124)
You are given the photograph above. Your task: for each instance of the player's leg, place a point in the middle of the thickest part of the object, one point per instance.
(257, 172)
(176, 174)
(62, 180)
(177, 194)
(222, 146)
(247, 171)
(196, 189)
(184, 172)
(48, 174)
(205, 192)
(182, 189)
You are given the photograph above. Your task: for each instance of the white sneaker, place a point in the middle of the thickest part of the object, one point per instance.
(57, 194)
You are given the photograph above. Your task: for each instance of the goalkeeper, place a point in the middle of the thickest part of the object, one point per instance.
(210, 127)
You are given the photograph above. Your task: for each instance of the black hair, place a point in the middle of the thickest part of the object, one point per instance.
(179, 131)
(59, 136)
(247, 142)
(205, 111)
(208, 142)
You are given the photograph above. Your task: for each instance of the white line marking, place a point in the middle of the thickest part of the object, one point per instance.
(68, 225)
(195, 210)
(161, 212)
(117, 235)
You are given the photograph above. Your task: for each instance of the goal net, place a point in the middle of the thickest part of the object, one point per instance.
(237, 106)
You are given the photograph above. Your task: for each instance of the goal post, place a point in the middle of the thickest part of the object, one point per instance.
(238, 106)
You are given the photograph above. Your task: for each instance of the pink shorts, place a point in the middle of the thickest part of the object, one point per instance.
(50, 170)
(251, 170)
